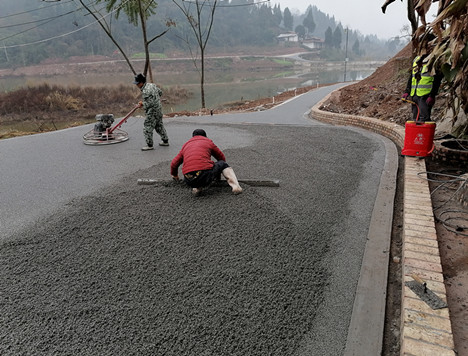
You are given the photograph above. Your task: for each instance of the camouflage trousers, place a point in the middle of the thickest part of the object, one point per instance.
(154, 122)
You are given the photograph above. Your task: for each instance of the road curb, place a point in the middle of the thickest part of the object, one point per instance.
(365, 333)
(424, 331)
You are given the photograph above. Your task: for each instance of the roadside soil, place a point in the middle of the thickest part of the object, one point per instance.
(451, 217)
(379, 96)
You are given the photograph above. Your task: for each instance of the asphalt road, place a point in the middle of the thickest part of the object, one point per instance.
(93, 264)
(41, 173)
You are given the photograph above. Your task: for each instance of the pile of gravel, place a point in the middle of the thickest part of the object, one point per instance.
(152, 270)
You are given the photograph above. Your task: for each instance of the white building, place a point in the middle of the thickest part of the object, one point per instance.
(313, 42)
(288, 37)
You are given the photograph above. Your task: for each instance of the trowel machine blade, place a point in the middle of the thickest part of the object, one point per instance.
(103, 134)
(103, 138)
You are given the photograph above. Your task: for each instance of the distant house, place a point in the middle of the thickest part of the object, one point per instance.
(288, 37)
(313, 42)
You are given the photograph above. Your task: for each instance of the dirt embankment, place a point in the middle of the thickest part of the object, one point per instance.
(379, 95)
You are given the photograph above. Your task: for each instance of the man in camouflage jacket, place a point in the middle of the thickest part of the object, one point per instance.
(151, 103)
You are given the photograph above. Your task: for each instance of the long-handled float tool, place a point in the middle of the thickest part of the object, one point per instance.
(104, 134)
(252, 182)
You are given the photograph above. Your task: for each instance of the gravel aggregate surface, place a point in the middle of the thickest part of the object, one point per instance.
(153, 270)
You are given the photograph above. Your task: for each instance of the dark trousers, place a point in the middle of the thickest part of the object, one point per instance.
(424, 112)
(201, 179)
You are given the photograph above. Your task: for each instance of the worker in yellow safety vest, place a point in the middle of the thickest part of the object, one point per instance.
(422, 89)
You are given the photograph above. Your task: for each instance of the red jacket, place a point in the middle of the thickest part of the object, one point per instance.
(196, 155)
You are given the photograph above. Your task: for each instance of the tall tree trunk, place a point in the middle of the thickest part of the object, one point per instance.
(145, 43)
(202, 78)
(201, 34)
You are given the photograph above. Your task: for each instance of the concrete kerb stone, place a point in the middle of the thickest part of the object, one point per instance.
(424, 331)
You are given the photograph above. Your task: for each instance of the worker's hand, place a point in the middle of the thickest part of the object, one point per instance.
(405, 96)
(430, 101)
(176, 178)
(140, 104)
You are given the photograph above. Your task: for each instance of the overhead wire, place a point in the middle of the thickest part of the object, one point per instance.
(236, 5)
(58, 36)
(33, 10)
(77, 30)
(40, 20)
(21, 32)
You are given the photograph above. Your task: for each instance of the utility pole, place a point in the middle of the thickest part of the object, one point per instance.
(6, 53)
(346, 54)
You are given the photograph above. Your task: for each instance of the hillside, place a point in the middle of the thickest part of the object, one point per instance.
(73, 32)
(379, 95)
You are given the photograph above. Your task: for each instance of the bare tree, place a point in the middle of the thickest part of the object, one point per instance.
(200, 16)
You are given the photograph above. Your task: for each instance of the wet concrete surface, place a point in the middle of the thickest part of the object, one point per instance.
(125, 269)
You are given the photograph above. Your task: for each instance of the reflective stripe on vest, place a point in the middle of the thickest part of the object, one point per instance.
(424, 85)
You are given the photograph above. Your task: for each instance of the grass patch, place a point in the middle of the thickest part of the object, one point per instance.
(222, 63)
(45, 107)
(283, 62)
(252, 58)
(283, 74)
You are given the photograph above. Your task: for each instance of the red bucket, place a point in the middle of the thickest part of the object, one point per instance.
(419, 138)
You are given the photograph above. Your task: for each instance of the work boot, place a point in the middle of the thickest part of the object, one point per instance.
(196, 191)
(164, 143)
(231, 178)
(147, 148)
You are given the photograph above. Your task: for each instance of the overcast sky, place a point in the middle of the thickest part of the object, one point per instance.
(363, 15)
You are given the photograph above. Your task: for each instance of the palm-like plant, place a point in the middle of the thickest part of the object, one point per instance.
(449, 53)
(131, 8)
(138, 12)
(200, 17)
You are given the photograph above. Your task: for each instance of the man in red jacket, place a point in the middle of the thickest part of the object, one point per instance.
(198, 169)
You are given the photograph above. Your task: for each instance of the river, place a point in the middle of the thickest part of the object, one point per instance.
(220, 86)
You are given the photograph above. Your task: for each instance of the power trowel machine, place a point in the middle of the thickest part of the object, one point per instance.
(104, 134)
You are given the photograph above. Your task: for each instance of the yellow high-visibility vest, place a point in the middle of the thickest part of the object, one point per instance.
(424, 85)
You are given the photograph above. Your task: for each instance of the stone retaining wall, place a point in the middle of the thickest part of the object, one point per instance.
(393, 131)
